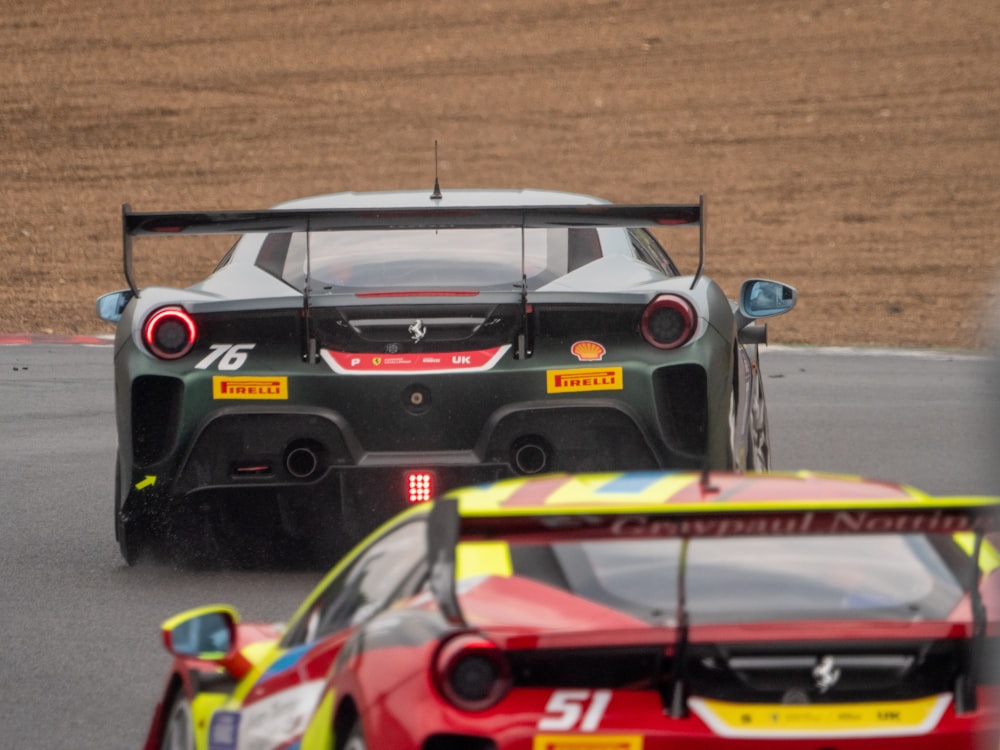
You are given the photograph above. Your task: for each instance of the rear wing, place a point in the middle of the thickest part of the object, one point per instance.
(539, 524)
(447, 526)
(146, 224)
(701, 519)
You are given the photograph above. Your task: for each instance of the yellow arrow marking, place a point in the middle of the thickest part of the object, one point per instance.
(149, 481)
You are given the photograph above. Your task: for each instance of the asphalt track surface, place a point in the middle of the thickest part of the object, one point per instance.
(81, 664)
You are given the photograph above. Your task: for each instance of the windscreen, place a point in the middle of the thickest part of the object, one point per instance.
(746, 579)
(430, 259)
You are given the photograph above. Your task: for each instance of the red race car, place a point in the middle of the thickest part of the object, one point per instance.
(626, 611)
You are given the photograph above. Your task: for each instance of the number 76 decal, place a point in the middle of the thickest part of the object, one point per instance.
(230, 356)
(574, 709)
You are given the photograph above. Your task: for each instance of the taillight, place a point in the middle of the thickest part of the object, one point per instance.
(169, 333)
(471, 672)
(419, 486)
(668, 322)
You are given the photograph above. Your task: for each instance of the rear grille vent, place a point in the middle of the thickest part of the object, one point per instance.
(613, 668)
(682, 398)
(156, 404)
(425, 328)
(821, 675)
(792, 674)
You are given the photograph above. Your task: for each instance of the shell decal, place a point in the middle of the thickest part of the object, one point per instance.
(588, 351)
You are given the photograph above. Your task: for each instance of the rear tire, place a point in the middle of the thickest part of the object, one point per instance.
(759, 447)
(132, 533)
(132, 541)
(178, 727)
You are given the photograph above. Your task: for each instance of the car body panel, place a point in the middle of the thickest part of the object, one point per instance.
(309, 401)
(583, 666)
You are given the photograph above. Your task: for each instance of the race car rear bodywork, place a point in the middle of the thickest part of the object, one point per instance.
(345, 360)
(644, 610)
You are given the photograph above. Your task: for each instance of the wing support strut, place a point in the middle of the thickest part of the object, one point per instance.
(701, 240)
(678, 696)
(309, 353)
(442, 540)
(523, 349)
(127, 251)
(968, 678)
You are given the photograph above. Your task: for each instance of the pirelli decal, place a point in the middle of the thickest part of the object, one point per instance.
(584, 379)
(248, 388)
(587, 742)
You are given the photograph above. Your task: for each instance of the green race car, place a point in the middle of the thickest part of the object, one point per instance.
(356, 352)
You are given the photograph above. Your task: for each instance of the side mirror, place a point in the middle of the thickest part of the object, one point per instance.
(761, 298)
(111, 306)
(207, 633)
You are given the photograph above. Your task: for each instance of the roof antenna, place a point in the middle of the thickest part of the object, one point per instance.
(436, 195)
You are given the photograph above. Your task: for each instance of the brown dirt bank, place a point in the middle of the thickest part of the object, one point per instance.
(849, 148)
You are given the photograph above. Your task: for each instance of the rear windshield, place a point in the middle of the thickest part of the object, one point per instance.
(746, 579)
(437, 259)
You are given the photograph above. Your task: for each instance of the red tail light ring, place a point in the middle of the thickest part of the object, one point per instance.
(668, 321)
(170, 333)
(471, 672)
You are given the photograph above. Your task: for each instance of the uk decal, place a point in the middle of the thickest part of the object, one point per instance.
(360, 363)
(584, 379)
(247, 388)
(588, 351)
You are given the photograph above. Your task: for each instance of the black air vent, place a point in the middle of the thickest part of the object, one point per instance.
(824, 673)
(408, 327)
(614, 668)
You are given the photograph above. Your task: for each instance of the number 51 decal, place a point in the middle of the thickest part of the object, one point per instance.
(581, 710)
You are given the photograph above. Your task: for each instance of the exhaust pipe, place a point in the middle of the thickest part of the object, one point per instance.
(302, 459)
(531, 456)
